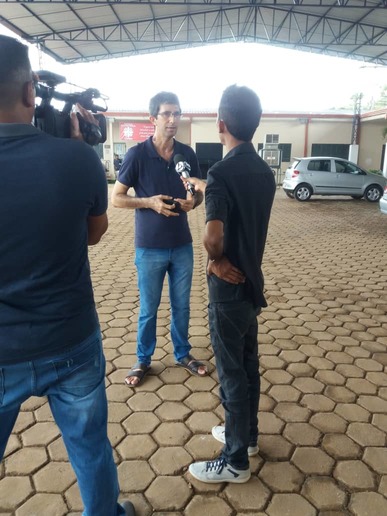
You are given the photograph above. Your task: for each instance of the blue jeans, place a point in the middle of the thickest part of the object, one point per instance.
(152, 266)
(74, 383)
(234, 330)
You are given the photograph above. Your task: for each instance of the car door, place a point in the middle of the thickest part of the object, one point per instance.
(321, 177)
(350, 178)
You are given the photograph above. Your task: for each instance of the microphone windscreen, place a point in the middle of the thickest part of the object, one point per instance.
(178, 158)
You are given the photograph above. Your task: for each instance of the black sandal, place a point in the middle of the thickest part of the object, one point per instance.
(138, 371)
(129, 508)
(192, 365)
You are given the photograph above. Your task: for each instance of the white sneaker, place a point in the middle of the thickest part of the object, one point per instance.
(219, 433)
(218, 470)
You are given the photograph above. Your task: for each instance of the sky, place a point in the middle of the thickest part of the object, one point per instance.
(284, 79)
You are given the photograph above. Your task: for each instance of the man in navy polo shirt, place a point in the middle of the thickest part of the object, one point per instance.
(53, 200)
(162, 236)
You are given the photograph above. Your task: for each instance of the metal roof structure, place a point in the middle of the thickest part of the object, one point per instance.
(87, 30)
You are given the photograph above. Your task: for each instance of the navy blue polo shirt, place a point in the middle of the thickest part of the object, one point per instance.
(240, 192)
(48, 188)
(149, 174)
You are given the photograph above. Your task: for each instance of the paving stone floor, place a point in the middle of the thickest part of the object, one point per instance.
(323, 409)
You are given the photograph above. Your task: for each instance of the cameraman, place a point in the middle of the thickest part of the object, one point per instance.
(53, 201)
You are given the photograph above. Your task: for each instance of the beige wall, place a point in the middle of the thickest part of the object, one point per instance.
(204, 130)
(299, 132)
(372, 143)
(327, 131)
(291, 131)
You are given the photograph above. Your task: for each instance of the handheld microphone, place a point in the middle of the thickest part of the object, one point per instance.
(183, 169)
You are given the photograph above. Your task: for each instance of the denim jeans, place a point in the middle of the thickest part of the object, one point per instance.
(234, 330)
(74, 383)
(152, 266)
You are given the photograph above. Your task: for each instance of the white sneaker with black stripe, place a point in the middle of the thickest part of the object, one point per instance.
(218, 470)
(219, 433)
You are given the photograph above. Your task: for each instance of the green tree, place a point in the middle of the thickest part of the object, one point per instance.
(381, 102)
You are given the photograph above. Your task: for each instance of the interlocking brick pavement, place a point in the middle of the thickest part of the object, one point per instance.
(323, 356)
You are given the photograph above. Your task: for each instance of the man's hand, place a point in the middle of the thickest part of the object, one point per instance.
(75, 130)
(226, 271)
(198, 184)
(186, 204)
(157, 204)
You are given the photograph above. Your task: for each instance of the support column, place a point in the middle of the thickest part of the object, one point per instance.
(353, 154)
(108, 151)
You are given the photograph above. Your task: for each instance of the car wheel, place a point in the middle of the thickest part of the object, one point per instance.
(290, 195)
(357, 197)
(373, 193)
(303, 193)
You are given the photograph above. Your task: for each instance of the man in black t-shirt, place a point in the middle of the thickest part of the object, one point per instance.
(53, 202)
(239, 195)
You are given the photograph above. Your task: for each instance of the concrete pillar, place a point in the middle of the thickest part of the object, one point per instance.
(353, 154)
(384, 170)
(108, 152)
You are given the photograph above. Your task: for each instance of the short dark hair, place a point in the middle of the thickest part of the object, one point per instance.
(240, 109)
(164, 97)
(15, 70)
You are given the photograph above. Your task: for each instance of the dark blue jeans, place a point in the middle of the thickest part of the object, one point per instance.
(74, 383)
(234, 331)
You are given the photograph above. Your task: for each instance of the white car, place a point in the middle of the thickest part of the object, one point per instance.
(383, 202)
(331, 176)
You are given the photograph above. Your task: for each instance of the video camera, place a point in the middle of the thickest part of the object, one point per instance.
(56, 122)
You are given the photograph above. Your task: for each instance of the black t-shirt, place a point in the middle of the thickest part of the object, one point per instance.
(240, 192)
(48, 188)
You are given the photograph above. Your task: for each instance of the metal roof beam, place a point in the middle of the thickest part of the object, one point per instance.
(280, 17)
(352, 4)
(324, 29)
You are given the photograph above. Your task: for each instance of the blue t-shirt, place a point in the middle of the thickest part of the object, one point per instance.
(149, 174)
(48, 188)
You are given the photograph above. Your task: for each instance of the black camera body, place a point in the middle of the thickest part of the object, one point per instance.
(58, 123)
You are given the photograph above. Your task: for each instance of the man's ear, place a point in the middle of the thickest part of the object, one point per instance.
(221, 127)
(28, 96)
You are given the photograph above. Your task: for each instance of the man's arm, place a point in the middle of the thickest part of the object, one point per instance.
(198, 198)
(192, 201)
(196, 173)
(218, 263)
(121, 199)
(213, 239)
(96, 227)
(198, 184)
